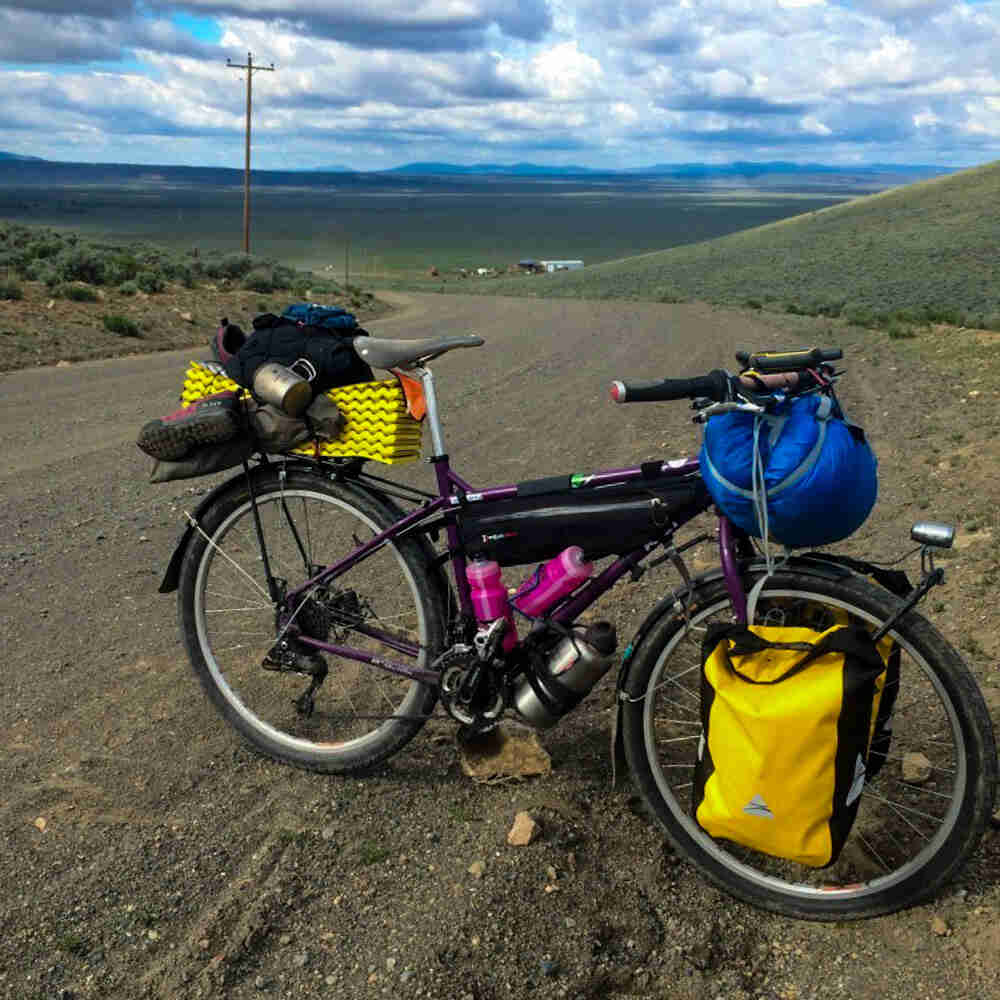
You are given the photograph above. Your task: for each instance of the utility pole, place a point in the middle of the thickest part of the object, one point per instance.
(251, 69)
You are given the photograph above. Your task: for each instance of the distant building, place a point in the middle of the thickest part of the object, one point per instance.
(561, 265)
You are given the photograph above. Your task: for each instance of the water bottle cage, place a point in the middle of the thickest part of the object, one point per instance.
(555, 696)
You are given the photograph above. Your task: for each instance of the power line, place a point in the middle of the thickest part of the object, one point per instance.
(251, 69)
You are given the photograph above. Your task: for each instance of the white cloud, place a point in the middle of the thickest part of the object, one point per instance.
(810, 123)
(891, 9)
(566, 73)
(589, 81)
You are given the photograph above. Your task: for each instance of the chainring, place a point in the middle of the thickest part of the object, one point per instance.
(484, 709)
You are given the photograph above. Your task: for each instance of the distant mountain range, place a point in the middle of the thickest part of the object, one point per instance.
(693, 170)
(690, 171)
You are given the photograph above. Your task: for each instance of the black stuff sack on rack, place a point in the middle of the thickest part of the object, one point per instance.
(788, 716)
(322, 352)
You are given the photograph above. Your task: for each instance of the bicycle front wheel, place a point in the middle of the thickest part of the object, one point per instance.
(387, 605)
(913, 830)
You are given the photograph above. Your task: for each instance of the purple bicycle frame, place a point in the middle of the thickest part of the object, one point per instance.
(453, 492)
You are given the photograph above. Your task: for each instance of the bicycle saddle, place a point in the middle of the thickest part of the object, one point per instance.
(381, 352)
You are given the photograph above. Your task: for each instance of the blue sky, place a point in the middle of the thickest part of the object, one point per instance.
(204, 29)
(592, 82)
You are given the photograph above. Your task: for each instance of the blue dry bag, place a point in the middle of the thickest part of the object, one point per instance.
(817, 473)
(327, 317)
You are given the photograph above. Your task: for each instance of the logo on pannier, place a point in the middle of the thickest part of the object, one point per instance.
(758, 807)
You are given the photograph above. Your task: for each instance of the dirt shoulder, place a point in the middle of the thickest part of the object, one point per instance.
(42, 330)
(145, 852)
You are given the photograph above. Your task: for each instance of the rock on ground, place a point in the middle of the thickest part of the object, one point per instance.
(505, 752)
(524, 830)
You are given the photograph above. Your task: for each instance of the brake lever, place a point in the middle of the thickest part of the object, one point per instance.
(733, 407)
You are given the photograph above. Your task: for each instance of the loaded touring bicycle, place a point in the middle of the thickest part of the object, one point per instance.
(328, 610)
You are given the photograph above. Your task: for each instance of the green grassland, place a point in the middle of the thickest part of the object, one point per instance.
(926, 252)
(380, 229)
(929, 250)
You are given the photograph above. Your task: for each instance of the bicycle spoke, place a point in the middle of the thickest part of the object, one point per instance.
(872, 851)
(227, 557)
(898, 759)
(920, 789)
(695, 720)
(235, 597)
(909, 809)
(671, 680)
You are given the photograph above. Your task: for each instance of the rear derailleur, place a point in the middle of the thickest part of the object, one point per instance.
(322, 612)
(470, 687)
(288, 656)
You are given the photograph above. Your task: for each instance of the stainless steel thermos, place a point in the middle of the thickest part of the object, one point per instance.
(576, 664)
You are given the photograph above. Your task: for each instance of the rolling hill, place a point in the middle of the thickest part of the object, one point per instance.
(933, 243)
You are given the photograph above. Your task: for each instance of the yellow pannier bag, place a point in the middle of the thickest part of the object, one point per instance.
(788, 716)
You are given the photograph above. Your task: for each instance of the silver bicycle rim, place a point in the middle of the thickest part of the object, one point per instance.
(286, 741)
(751, 874)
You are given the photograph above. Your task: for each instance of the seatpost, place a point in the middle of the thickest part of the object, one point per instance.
(433, 417)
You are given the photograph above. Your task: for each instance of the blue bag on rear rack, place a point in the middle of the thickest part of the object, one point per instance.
(816, 471)
(326, 317)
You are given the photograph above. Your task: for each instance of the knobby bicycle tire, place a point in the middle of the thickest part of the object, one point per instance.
(362, 715)
(870, 878)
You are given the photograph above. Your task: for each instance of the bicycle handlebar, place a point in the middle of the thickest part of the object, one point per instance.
(785, 361)
(786, 370)
(714, 385)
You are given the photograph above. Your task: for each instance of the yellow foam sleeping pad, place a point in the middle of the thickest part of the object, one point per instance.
(377, 424)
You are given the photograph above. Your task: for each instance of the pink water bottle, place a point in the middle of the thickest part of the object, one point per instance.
(553, 581)
(489, 597)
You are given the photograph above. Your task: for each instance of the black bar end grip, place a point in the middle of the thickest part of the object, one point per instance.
(714, 385)
(790, 361)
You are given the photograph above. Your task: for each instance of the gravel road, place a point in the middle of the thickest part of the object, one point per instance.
(145, 852)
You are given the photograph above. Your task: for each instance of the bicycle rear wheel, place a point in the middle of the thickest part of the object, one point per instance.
(386, 604)
(913, 831)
